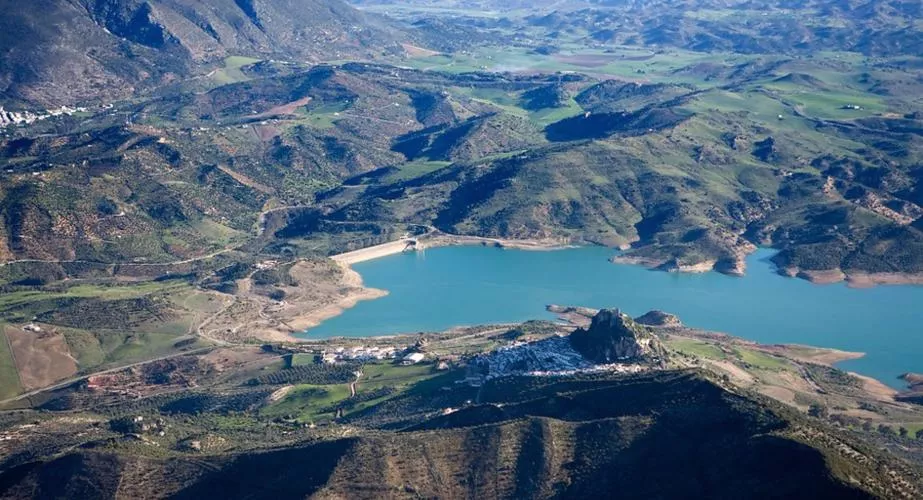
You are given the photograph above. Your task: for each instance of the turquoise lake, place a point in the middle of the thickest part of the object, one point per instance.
(469, 285)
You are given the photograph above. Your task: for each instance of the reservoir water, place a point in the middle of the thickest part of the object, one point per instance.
(467, 285)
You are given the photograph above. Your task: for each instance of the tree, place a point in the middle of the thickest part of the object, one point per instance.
(867, 426)
(817, 410)
(903, 432)
(920, 434)
(885, 429)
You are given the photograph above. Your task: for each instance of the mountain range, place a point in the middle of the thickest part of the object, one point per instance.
(174, 175)
(74, 52)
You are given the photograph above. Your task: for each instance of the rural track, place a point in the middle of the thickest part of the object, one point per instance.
(139, 264)
(72, 380)
(352, 385)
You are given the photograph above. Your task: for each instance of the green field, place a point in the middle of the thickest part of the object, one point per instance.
(22, 299)
(382, 374)
(696, 348)
(306, 402)
(9, 376)
(147, 336)
(548, 116)
(761, 360)
(310, 403)
(413, 169)
(322, 116)
(913, 428)
(231, 72)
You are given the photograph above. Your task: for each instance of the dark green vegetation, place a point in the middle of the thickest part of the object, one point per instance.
(664, 434)
(222, 141)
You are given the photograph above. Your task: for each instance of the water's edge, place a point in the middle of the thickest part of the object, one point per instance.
(445, 287)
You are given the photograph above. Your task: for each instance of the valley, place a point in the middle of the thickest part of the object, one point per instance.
(222, 221)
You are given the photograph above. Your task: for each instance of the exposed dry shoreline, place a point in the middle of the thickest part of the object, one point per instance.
(300, 315)
(442, 240)
(854, 279)
(356, 293)
(324, 289)
(662, 265)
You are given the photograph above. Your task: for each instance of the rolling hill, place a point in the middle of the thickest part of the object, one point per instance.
(60, 52)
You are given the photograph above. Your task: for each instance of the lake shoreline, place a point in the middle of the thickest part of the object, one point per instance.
(353, 295)
(853, 279)
(439, 239)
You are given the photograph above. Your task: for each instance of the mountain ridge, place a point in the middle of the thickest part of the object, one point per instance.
(99, 50)
(568, 437)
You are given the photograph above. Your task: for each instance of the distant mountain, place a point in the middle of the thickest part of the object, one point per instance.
(62, 52)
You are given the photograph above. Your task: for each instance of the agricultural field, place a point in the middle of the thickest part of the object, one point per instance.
(230, 72)
(697, 348)
(311, 403)
(84, 328)
(9, 375)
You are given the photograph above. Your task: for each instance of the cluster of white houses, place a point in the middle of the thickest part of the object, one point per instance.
(550, 356)
(371, 353)
(27, 117)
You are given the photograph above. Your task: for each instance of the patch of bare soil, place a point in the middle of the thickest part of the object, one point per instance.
(284, 109)
(309, 306)
(42, 358)
(818, 355)
(266, 133)
(586, 60)
(738, 375)
(324, 289)
(225, 359)
(781, 394)
(875, 388)
(246, 181)
(857, 279)
(280, 393)
(414, 51)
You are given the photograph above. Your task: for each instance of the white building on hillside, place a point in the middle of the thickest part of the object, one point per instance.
(413, 358)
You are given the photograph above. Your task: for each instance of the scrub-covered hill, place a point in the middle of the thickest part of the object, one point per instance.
(58, 52)
(668, 434)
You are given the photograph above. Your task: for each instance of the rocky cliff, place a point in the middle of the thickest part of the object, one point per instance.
(659, 318)
(613, 337)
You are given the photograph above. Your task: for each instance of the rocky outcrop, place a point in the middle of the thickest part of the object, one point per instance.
(659, 318)
(913, 379)
(914, 394)
(613, 337)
